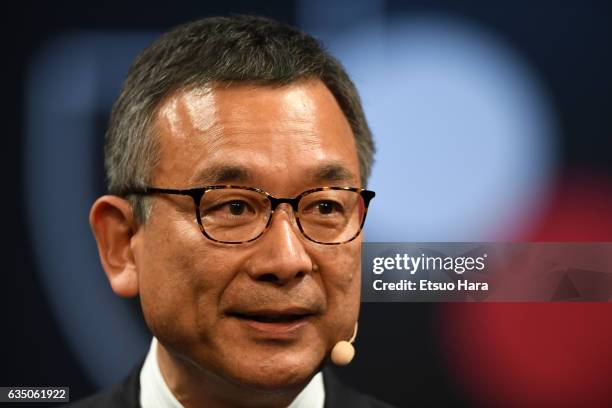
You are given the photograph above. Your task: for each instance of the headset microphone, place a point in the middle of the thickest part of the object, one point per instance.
(343, 351)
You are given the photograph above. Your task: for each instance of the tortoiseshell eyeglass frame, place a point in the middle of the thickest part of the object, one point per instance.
(197, 193)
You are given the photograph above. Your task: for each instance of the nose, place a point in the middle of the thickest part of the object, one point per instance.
(280, 255)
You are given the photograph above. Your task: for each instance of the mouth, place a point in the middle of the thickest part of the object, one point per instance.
(289, 318)
(275, 323)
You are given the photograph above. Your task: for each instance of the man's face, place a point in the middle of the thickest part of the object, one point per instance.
(195, 293)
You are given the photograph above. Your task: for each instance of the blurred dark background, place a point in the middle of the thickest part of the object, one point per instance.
(408, 354)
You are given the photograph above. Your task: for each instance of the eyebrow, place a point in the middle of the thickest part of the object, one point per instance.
(332, 172)
(224, 174)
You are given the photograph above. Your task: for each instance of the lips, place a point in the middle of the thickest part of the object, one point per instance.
(279, 315)
(274, 322)
(271, 318)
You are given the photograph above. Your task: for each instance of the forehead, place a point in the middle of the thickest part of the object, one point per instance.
(296, 134)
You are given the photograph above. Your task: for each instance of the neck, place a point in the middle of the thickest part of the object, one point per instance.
(193, 386)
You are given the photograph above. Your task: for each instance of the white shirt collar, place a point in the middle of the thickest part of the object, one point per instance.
(155, 393)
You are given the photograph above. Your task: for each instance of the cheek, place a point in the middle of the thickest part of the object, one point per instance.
(342, 268)
(341, 275)
(180, 279)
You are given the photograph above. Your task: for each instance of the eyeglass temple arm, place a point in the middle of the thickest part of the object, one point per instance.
(195, 193)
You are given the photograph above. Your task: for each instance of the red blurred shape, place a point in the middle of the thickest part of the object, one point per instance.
(580, 211)
(540, 354)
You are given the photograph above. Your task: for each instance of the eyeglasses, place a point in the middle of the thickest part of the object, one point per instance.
(237, 214)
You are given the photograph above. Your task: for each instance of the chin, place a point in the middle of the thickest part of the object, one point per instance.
(282, 372)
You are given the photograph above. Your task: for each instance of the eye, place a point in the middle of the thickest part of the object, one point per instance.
(232, 207)
(229, 208)
(327, 207)
(237, 207)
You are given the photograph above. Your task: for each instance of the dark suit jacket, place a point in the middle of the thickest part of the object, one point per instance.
(127, 395)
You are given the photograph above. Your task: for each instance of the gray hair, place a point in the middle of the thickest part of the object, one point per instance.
(237, 49)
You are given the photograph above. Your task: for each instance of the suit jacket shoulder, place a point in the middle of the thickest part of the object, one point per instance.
(127, 395)
(338, 395)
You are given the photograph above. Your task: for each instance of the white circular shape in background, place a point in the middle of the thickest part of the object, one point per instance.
(465, 134)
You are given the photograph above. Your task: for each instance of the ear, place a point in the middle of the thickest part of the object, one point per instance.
(114, 227)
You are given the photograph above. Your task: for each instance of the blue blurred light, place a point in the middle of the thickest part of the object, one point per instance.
(465, 133)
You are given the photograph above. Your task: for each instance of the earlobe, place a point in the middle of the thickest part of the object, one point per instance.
(114, 228)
